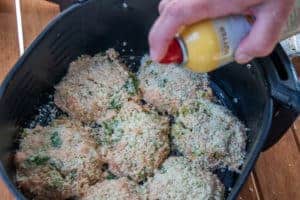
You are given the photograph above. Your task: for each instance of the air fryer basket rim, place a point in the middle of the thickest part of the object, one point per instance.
(14, 70)
(262, 135)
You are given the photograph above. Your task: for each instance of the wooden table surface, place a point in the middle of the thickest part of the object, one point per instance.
(276, 174)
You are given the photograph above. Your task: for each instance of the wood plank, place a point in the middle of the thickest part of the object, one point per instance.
(8, 37)
(9, 54)
(296, 132)
(296, 62)
(250, 190)
(5, 193)
(277, 170)
(296, 126)
(63, 4)
(36, 14)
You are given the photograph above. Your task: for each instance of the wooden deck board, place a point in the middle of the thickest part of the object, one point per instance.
(250, 190)
(275, 175)
(4, 192)
(296, 131)
(9, 49)
(8, 37)
(277, 170)
(35, 16)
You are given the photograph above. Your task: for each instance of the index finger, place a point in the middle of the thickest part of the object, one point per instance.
(177, 13)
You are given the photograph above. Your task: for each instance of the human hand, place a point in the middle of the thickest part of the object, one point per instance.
(270, 18)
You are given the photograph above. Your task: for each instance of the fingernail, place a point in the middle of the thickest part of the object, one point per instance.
(243, 58)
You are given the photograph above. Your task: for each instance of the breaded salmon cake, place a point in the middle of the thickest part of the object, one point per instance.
(95, 87)
(57, 162)
(179, 179)
(135, 142)
(167, 87)
(116, 189)
(210, 134)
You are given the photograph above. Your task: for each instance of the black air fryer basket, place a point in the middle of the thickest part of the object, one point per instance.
(264, 94)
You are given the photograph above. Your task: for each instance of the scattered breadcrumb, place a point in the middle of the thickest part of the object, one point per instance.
(135, 142)
(179, 179)
(95, 88)
(58, 161)
(167, 87)
(209, 134)
(119, 189)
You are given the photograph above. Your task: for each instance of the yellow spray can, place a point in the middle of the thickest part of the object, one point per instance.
(210, 44)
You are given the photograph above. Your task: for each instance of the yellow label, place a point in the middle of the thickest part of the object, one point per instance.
(212, 44)
(203, 47)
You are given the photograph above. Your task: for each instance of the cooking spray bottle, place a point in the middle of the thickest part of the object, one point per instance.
(210, 44)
